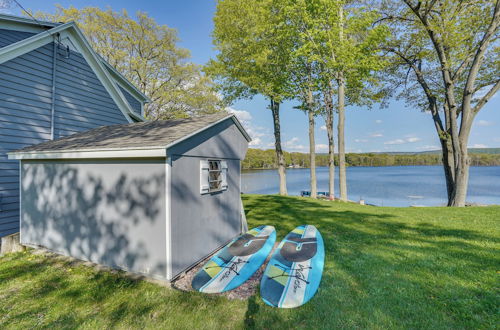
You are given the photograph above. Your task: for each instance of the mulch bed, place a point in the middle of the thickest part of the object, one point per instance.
(243, 292)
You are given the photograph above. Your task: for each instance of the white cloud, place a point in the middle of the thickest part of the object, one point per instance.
(484, 123)
(323, 128)
(478, 145)
(378, 121)
(409, 139)
(294, 145)
(360, 140)
(397, 141)
(376, 135)
(496, 139)
(260, 135)
(322, 147)
(242, 115)
(256, 142)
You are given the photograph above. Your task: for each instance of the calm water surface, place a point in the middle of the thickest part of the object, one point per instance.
(384, 186)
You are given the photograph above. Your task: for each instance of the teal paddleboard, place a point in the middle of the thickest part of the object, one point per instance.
(294, 272)
(237, 262)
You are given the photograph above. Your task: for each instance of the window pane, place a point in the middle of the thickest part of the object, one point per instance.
(214, 175)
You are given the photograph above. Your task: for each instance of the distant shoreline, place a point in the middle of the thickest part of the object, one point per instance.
(302, 168)
(266, 159)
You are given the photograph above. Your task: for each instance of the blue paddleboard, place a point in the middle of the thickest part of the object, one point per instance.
(237, 262)
(294, 272)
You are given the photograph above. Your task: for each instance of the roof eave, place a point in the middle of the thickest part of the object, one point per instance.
(149, 152)
(132, 152)
(117, 75)
(29, 21)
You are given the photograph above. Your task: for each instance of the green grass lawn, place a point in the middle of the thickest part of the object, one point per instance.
(385, 268)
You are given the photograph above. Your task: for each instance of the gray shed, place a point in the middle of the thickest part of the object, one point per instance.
(152, 198)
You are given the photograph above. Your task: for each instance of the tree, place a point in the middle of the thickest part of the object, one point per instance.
(252, 59)
(446, 62)
(296, 21)
(146, 54)
(356, 57)
(340, 38)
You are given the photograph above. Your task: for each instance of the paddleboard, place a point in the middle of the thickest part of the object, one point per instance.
(237, 262)
(294, 272)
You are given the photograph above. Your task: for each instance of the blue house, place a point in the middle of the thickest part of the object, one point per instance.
(52, 85)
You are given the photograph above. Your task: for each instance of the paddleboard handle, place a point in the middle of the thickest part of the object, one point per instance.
(234, 265)
(291, 270)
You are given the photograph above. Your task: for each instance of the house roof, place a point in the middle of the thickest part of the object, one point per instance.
(29, 23)
(146, 139)
(27, 41)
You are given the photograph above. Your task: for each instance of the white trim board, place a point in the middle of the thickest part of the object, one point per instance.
(168, 217)
(90, 154)
(23, 24)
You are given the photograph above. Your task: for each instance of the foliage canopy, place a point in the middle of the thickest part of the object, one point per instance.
(147, 54)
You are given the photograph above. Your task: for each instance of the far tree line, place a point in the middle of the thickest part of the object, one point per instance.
(266, 159)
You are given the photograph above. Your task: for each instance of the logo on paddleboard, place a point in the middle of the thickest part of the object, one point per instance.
(299, 277)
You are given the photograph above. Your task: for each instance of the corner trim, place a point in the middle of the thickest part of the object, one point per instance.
(168, 216)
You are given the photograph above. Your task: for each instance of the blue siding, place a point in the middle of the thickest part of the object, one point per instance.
(82, 103)
(8, 37)
(134, 103)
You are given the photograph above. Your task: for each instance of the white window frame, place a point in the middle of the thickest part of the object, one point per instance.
(205, 176)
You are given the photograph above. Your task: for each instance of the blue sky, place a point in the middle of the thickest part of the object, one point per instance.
(394, 129)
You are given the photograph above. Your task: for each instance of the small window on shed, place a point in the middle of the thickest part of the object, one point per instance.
(213, 176)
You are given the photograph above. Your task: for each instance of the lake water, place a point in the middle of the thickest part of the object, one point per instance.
(383, 186)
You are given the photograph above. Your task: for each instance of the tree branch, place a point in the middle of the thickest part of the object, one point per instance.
(423, 83)
(478, 59)
(486, 97)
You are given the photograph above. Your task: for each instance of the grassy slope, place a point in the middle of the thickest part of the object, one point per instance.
(385, 268)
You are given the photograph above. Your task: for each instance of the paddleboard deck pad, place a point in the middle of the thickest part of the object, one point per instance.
(294, 272)
(236, 262)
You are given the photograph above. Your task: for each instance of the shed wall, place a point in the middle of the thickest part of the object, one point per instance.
(81, 103)
(107, 212)
(202, 223)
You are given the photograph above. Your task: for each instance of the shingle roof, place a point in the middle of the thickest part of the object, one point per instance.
(153, 134)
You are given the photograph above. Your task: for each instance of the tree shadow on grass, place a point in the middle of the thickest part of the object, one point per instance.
(382, 270)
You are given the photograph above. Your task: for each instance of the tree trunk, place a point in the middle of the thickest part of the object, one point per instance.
(449, 167)
(331, 143)
(462, 180)
(312, 154)
(341, 142)
(275, 109)
(456, 174)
